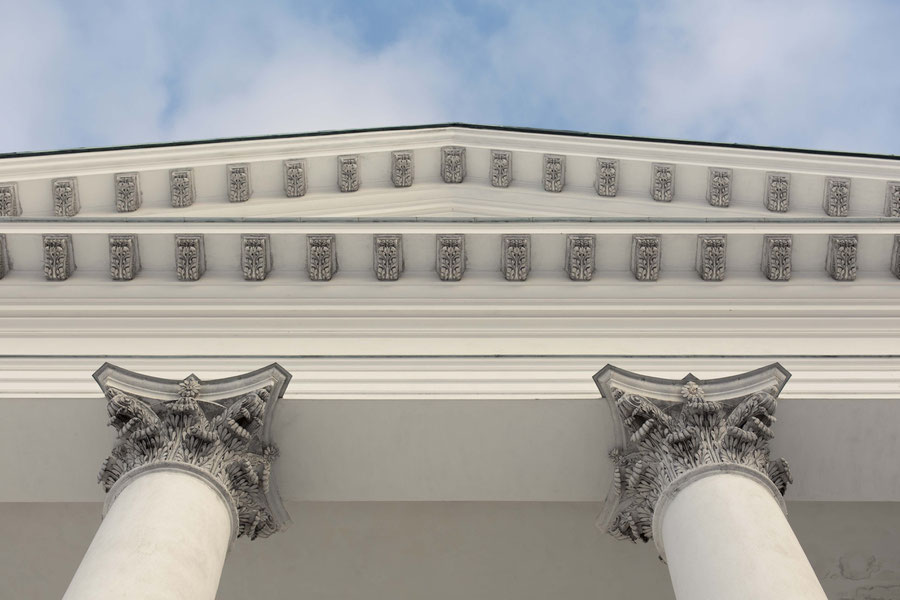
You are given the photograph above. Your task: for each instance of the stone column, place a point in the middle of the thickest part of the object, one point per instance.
(190, 471)
(693, 473)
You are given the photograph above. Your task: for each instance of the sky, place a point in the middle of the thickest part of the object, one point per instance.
(817, 74)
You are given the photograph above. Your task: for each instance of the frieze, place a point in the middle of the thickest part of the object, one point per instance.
(181, 187)
(606, 180)
(646, 257)
(710, 262)
(718, 186)
(348, 173)
(321, 257)
(836, 200)
(190, 257)
(9, 200)
(662, 185)
(840, 261)
(59, 257)
(294, 173)
(402, 168)
(65, 197)
(776, 257)
(453, 164)
(128, 192)
(778, 192)
(239, 189)
(388, 259)
(554, 172)
(451, 257)
(515, 254)
(501, 168)
(256, 256)
(580, 256)
(124, 257)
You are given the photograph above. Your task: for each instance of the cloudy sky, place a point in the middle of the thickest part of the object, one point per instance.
(814, 74)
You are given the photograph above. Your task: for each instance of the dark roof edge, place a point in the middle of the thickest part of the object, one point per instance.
(603, 136)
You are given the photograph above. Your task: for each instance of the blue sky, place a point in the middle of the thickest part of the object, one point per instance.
(815, 74)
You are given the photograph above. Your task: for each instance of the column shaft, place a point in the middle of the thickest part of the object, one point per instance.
(164, 537)
(725, 536)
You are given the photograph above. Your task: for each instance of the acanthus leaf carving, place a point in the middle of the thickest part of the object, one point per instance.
(59, 257)
(9, 200)
(516, 257)
(501, 168)
(181, 187)
(606, 181)
(65, 197)
(580, 256)
(662, 188)
(388, 257)
(718, 187)
(124, 257)
(348, 173)
(295, 181)
(4, 257)
(554, 172)
(711, 257)
(841, 260)
(777, 257)
(453, 164)
(256, 256)
(451, 257)
(646, 257)
(128, 192)
(190, 257)
(778, 192)
(892, 199)
(321, 256)
(837, 196)
(402, 168)
(239, 189)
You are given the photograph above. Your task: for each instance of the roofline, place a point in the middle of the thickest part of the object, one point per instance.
(536, 130)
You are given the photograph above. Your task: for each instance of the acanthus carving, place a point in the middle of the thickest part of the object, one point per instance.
(222, 438)
(59, 257)
(776, 260)
(181, 187)
(65, 197)
(453, 164)
(348, 173)
(778, 192)
(9, 200)
(4, 257)
(891, 199)
(239, 182)
(841, 259)
(451, 257)
(321, 257)
(554, 172)
(646, 251)
(256, 256)
(895, 257)
(501, 168)
(516, 257)
(295, 177)
(580, 256)
(837, 196)
(388, 257)
(667, 439)
(662, 188)
(128, 192)
(190, 257)
(124, 257)
(402, 168)
(606, 181)
(718, 188)
(711, 257)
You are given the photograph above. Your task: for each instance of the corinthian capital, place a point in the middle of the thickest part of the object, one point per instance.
(219, 429)
(669, 431)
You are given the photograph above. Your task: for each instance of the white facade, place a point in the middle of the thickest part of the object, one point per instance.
(442, 298)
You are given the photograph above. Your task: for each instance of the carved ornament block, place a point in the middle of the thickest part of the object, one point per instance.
(840, 261)
(402, 168)
(59, 257)
(606, 181)
(718, 186)
(451, 257)
(580, 256)
(128, 192)
(9, 200)
(837, 196)
(295, 182)
(891, 199)
(710, 262)
(65, 197)
(218, 429)
(256, 256)
(190, 257)
(895, 257)
(501, 168)
(181, 187)
(671, 430)
(4, 257)
(776, 257)
(388, 260)
(453, 164)
(662, 182)
(778, 192)
(515, 256)
(348, 173)
(124, 257)
(239, 189)
(554, 172)
(646, 257)
(321, 256)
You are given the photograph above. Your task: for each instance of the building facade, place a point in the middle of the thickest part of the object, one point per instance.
(450, 361)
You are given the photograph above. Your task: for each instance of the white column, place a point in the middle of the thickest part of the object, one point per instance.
(724, 535)
(165, 536)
